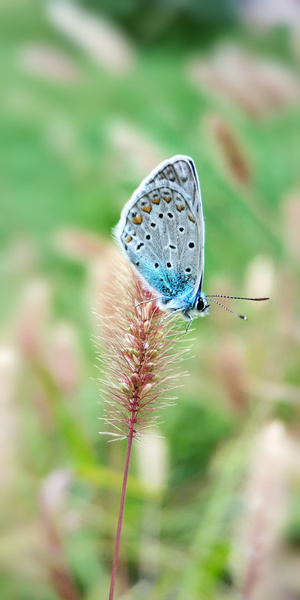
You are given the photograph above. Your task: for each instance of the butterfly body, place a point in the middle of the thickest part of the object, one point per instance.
(161, 231)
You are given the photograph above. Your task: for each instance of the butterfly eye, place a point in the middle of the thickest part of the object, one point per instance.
(200, 304)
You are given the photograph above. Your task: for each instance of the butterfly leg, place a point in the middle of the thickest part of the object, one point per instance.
(170, 315)
(187, 315)
(146, 301)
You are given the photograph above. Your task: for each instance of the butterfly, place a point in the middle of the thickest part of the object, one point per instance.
(161, 231)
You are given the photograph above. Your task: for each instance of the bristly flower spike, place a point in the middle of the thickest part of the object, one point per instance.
(140, 365)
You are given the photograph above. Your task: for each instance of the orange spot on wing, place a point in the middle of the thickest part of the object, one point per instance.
(137, 220)
(156, 200)
(180, 207)
(128, 239)
(192, 219)
(167, 199)
(147, 209)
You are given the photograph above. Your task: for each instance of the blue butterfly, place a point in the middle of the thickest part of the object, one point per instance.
(161, 231)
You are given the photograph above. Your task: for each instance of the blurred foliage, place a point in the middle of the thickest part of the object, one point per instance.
(148, 21)
(80, 126)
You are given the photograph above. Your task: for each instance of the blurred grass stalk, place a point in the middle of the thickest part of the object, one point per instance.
(259, 531)
(140, 365)
(152, 462)
(52, 500)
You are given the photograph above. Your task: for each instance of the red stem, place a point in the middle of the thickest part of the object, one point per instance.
(122, 503)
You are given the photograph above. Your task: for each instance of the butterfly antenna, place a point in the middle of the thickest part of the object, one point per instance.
(212, 296)
(235, 297)
(228, 309)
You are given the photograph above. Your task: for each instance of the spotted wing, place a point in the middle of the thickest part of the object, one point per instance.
(162, 232)
(180, 169)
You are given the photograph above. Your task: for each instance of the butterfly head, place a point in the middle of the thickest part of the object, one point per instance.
(201, 306)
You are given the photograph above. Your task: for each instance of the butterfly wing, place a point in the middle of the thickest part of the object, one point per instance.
(180, 170)
(161, 229)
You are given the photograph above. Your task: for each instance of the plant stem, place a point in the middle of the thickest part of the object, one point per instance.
(122, 503)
